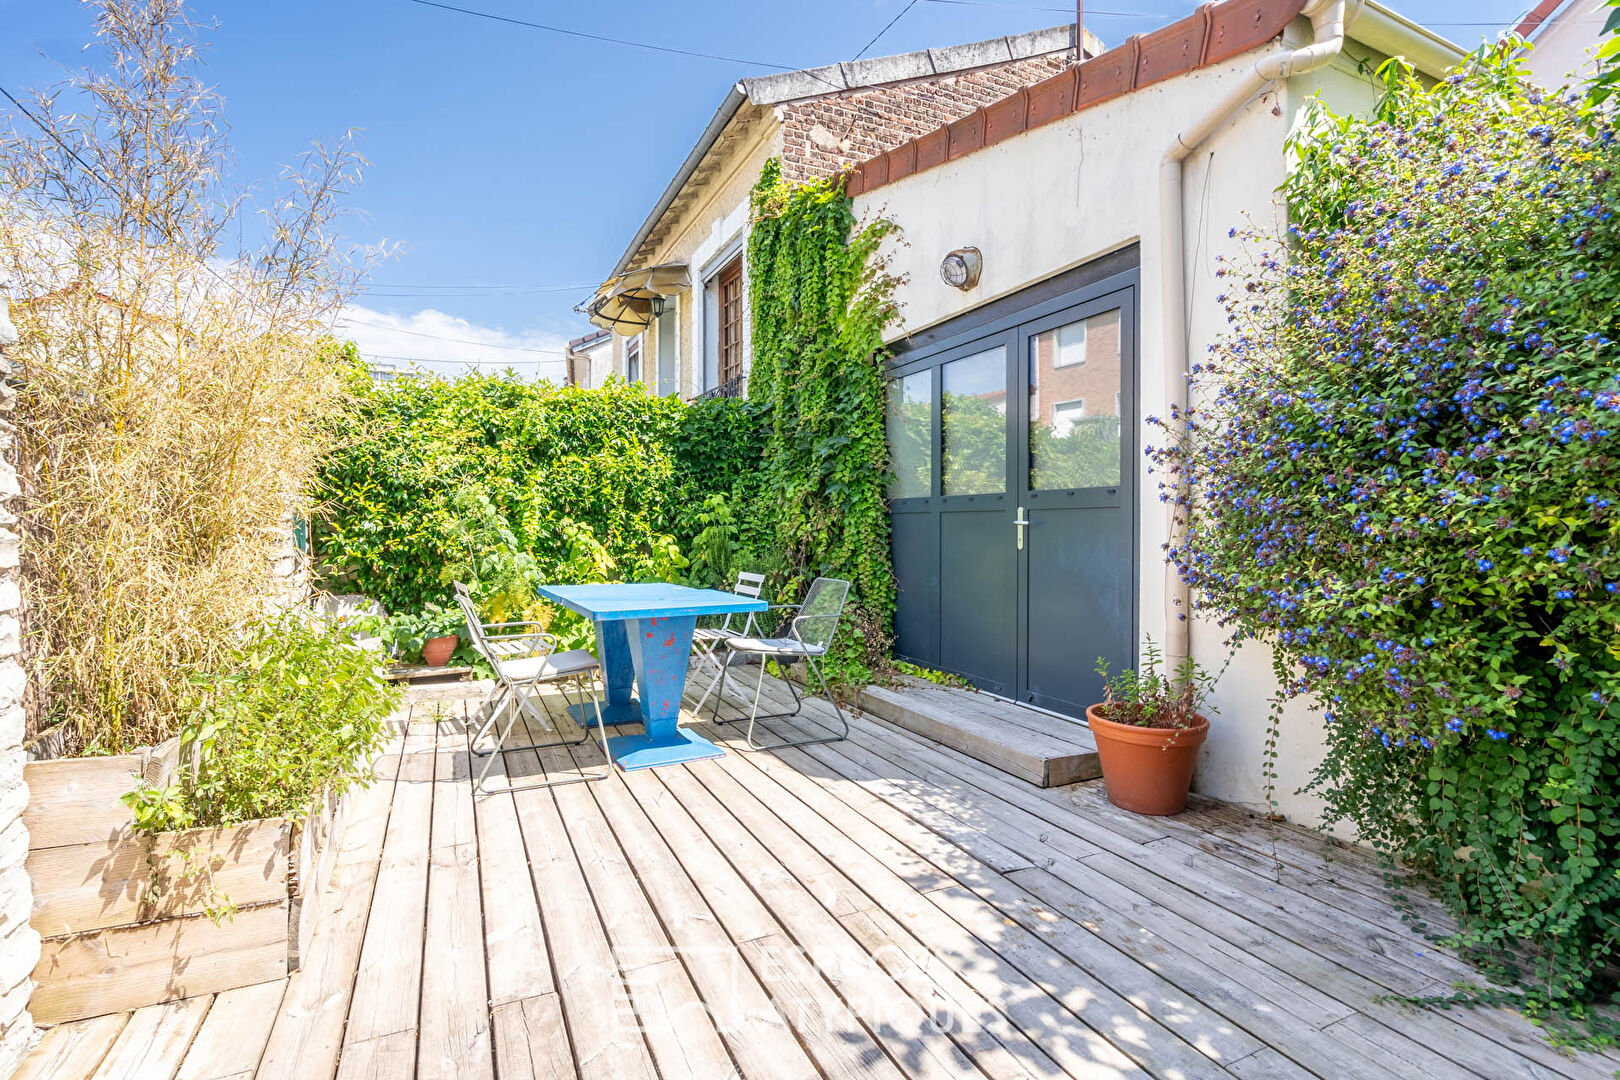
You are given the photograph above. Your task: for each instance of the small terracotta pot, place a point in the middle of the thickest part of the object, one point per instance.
(436, 651)
(1146, 770)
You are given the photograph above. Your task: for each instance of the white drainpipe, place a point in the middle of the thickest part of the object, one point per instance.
(1327, 31)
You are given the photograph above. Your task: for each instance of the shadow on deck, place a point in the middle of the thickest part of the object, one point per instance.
(887, 906)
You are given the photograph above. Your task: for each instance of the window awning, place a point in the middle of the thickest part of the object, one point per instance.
(625, 303)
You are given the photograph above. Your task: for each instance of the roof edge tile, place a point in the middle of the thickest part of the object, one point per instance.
(903, 67)
(1213, 33)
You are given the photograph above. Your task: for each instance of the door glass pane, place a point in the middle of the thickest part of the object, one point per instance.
(911, 427)
(1074, 405)
(973, 422)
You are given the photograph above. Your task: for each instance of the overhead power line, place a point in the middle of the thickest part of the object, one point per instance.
(651, 46)
(442, 360)
(57, 139)
(1062, 10)
(552, 287)
(885, 30)
(348, 321)
(1069, 11)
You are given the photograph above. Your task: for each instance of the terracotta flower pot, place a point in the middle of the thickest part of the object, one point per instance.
(436, 651)
(1146, 770)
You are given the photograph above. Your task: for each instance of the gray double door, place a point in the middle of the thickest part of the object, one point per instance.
(1013, 437)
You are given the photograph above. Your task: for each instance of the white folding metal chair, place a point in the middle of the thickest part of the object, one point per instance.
(707, 640)
(810, 635)
(524, 660)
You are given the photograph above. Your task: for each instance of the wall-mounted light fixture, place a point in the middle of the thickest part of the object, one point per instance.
(960, 269)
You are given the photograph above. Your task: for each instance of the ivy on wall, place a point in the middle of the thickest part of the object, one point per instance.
(821, 299)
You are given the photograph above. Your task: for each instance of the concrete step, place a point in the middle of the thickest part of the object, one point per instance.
(1045, 750)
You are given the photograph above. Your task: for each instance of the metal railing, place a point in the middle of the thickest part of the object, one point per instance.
(731, 388)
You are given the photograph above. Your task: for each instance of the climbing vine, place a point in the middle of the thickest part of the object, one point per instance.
(821, 299)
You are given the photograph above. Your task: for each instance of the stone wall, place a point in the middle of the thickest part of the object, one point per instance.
(19, 944)
(821, 136)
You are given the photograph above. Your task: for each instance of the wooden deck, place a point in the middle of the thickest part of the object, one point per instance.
(881, 907)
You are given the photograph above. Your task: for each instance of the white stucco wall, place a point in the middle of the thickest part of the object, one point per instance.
(1564, 47)
(709, 227)
(1064, 194)
(19, 944)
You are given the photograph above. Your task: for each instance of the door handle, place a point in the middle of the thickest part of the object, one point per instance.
(1020, 523)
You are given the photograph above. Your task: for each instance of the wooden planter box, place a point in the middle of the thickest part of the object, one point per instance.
(113, 941)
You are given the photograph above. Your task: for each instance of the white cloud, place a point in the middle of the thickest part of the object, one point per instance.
(448, 345)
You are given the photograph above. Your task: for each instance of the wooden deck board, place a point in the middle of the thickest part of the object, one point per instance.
(887, 906)
(760, 1041)
(308, 1030)
(595, 999)
(72, 1049)
(154, 1041)
(1246, 922)
(454, 1027)
(386, 988)
(234, 1033)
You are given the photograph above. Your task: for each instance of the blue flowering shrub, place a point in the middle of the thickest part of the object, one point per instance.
(1401, 469)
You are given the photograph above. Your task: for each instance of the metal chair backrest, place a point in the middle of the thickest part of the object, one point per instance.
(817, 620)
(748, 584)
(475, 625)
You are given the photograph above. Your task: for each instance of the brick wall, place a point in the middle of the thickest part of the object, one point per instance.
(19, 944)
(822, 136)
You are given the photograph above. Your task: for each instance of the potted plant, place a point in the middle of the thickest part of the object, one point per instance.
(432, 633)
(1148, 730)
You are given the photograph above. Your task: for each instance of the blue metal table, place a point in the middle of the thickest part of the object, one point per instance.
(644, 635)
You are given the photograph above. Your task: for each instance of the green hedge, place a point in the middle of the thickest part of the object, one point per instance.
(402, 501)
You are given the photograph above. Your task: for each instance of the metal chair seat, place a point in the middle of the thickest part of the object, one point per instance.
(523, 660)
(551, 666)
(520, 646)
(776, 646)
(713, 633)
(811, 634)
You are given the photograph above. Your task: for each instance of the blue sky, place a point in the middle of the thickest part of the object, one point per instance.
(512, 165)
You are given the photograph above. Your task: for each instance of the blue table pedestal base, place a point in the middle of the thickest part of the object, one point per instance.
(644, 644)
(613, 712)
(649, 751)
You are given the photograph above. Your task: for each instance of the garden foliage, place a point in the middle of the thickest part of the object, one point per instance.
(506, 485)
(821, 299)
(291, 712)
(173, 387)
(1402, 470)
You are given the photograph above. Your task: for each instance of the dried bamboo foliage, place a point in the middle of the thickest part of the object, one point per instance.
(174, 399)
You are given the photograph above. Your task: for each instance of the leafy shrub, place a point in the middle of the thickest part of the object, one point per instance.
(408, 631)
(499, 482)
(295, 711)
(1400, 471)
(716, 548)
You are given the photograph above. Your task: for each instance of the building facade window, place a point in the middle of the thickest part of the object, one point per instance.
(1064, 415)
(632, 359)
(730, 285)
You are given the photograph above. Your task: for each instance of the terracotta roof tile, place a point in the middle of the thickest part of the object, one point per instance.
(1213, 33)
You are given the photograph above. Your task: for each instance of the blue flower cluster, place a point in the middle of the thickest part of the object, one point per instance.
(1399, 465)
